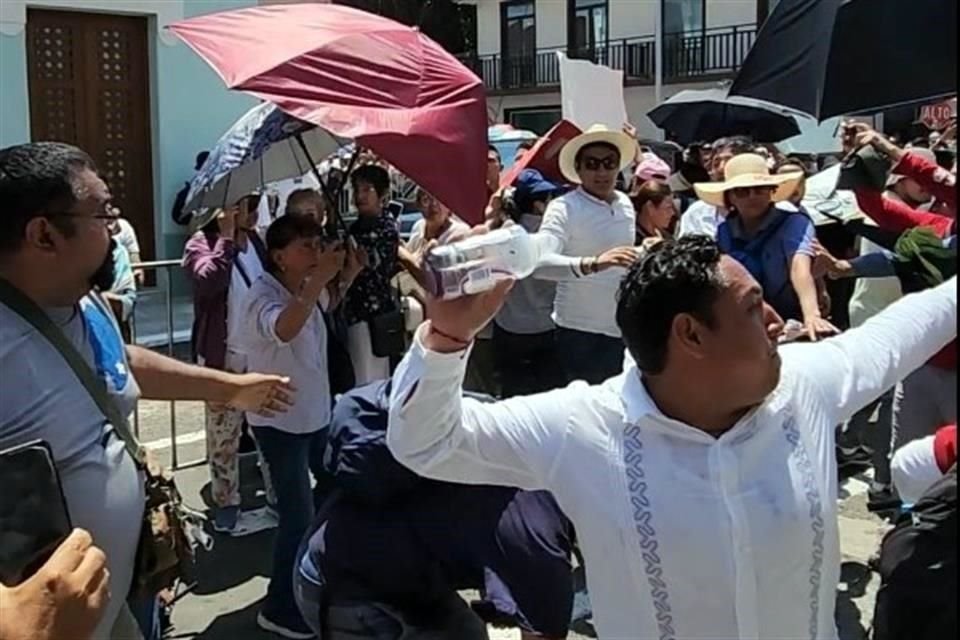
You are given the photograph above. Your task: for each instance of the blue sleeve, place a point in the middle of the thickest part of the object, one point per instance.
(798, 234)
(874, 265)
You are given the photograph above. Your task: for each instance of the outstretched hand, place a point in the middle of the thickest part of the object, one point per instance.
(263, 394)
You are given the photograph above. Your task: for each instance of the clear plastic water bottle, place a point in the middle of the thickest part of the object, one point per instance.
(478, 263)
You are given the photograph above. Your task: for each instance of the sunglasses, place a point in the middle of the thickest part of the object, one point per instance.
(746, 192)
(610, 163)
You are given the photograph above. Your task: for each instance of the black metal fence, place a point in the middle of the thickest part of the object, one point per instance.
(686, 56)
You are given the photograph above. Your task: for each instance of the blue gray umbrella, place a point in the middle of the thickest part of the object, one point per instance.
(692, 116)
(265, 145)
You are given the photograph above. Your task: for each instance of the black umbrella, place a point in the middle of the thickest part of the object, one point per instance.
(835, 57)
(710, 114)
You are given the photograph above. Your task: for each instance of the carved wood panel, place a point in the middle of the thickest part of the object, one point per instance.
(89, 86)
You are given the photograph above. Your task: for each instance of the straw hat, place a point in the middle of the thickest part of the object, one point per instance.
(748, 170)
(597, 133)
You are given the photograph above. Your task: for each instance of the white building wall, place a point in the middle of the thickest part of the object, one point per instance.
(632, 18)
(627, 19)
(727, 13)
(488, 27)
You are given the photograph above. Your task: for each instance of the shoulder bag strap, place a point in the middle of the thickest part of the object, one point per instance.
(35, 316)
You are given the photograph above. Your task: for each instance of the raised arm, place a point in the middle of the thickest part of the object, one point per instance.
(929, 175)
(209, 267)
(849, 371)
(898, 217)
(438, 434)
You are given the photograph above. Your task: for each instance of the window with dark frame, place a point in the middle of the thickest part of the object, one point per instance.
(588, 29)
(536, 119)
(684, 33)
(518, 35)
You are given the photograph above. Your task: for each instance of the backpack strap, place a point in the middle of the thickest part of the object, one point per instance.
(35, 316)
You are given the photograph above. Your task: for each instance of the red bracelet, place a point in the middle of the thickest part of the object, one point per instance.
(449, 337)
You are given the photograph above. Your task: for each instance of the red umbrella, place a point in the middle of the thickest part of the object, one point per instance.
(360, 76)
(545, 154)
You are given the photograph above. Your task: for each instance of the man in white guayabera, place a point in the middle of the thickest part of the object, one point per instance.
(701, 480)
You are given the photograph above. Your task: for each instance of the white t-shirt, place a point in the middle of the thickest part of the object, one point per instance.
(247, 262)
(576, 225)
(41, 398)
(417, 240)
(700, 218)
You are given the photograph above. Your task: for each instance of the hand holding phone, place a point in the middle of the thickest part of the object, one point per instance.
(64, 599)
(33, 512)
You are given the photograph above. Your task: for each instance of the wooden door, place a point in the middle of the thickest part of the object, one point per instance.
(89, 86)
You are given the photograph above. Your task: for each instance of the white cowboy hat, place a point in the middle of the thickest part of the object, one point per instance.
(625, 144)
(748, 170)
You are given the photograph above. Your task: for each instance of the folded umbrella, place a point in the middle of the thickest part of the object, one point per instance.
(835, 57)
(259, 148)
(360, 76)
(711, 113)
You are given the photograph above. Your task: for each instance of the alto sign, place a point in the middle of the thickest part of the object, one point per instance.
(939, 115)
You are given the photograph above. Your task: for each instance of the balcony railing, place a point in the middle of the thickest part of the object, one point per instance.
(686, 56)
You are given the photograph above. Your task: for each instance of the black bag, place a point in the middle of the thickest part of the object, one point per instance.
(388, 334)
(918, 569)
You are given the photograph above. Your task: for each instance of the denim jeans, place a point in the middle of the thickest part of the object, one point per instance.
(528, 363)
(452, 619)
(877, 436)
(291, 458)
(593, 357)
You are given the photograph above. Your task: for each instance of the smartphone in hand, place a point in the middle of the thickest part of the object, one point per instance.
(33, 511)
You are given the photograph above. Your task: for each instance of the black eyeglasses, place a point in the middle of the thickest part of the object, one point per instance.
(610, 163)
(104, 217)
(746, 192)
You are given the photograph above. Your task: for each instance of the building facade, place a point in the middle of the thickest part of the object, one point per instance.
(107, 76)
(704, 42)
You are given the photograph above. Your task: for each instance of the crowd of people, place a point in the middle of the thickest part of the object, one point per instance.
(663, 401)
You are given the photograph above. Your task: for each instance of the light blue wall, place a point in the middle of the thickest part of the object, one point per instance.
(192, 109)
(14, 108)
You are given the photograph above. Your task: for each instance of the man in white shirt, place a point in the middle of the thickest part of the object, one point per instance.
(587, 238)
(701, 480)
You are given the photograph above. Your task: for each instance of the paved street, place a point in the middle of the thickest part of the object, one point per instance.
(234, 576)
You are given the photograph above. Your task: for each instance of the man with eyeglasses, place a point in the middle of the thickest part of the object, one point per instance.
(55, 254)
(586, 240)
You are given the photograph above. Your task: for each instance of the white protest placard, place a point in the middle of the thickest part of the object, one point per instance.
(591, 94)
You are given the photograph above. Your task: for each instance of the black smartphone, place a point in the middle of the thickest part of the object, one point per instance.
(33, 511)
(395, 209)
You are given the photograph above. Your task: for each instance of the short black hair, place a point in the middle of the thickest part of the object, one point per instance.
(496, 151)
(37, 178)
(374, 175)
(674, 277)
(285, 230)
(735, 144)
(526, 145)
(595, 145)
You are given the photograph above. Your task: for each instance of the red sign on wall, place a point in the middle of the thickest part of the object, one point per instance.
(939, 115)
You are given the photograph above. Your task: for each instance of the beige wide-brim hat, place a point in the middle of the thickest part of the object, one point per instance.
(597, 133)
(748, 170)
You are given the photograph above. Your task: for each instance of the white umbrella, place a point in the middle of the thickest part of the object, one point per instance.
(265, 145)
